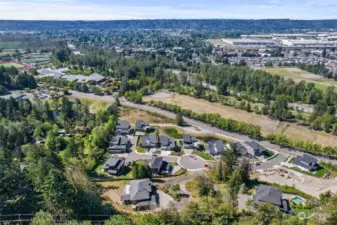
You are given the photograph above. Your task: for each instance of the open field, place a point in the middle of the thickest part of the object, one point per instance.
(298, 75)
(10, 44)
(216, 42)
(201, 106)
(132, 115)
(305, 134)
(10, 64)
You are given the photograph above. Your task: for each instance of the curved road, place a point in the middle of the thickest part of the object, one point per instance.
(205, 128)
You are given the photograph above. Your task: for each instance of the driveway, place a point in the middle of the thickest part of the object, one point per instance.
(189, 163)
(270, 163)
(164, 200)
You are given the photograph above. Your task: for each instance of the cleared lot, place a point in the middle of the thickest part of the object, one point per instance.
(298, 75)
(201, 106)
(304, 134)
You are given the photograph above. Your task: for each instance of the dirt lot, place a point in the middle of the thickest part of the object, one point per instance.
(298, 75)
(132, 115)
(302, 133)
(113, 192)
(201, 106)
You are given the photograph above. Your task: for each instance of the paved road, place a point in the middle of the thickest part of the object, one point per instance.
(206, 128)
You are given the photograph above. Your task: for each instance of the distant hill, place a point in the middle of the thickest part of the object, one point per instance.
(243, 26)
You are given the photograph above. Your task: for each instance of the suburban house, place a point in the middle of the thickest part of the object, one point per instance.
(306, 162)
(190, 142)
(250, 147)
(118, 144)
(123, 127)
(141, 126)
(215, 148)
(159, 166)
(267, 194)
(113, 166)
(150, 141)
(167, 144)
(139, 193)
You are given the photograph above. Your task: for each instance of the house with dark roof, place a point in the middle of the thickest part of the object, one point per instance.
(271, 195)
(118, 144)
(306, 162)
(167, 144)
(190, 142)
(150, 141)
(141, 126)
(140, 194)
(159, 166)
(113, 166)
(123, 127)
(215, 148)
(250, 147)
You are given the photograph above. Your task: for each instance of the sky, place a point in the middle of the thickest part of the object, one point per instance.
(166, 9)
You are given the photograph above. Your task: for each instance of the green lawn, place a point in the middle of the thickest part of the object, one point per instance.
(307, 212)
(16, 65)
(204, 155)
(320, 172)
(140, 149)
(10, 44)
(267, 153)
(172, 132)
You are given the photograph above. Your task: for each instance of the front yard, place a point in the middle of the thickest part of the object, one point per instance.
(203, 155)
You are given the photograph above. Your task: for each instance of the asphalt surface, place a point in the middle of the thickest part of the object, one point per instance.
(206, 128)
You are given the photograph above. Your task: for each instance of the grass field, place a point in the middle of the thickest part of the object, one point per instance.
(10, 64)
(10, 44)
(305, 134)
(201, 106)
(298, 75)
(267, 125)
(132, 115)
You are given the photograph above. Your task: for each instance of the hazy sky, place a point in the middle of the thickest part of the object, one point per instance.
(166, 9)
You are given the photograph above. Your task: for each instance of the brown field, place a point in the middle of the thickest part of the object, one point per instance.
(132, 115)
(216, 42)
(304, 134)
(299, 75)
(268, 126)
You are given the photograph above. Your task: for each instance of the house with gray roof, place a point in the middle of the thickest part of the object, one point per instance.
(123, 127)
(215, 148)
(271, 195)
(159, 166)
(140, 194)
(113, 166)
(250, 147)
(306, 162)
(190, 142)
(141, 126)
(150, 141)
(167, 144)
(118, 144)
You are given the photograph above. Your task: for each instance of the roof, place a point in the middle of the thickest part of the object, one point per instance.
(118, 140)
(164, 141)
(150, 140)
(123, 124)
(268, 194)
(189, 139)
(140, 124)
(306, 161)
(113, 163)
(215, 147)
(255, 145)
(140, 189)
(156, 162)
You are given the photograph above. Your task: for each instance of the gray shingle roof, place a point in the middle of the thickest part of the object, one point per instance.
(113, 163)
(268, 194)
(306, 161)
(140, 189)
(123, 124)
(215, 147)
(118, 140)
